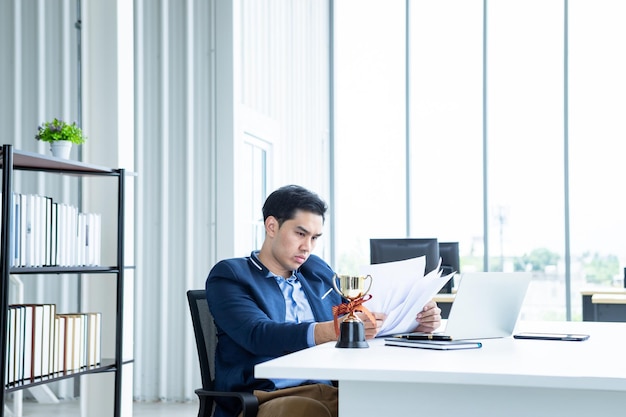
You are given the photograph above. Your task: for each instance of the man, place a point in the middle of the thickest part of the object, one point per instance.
(275, 302)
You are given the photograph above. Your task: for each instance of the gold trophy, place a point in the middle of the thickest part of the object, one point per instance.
(352, 332)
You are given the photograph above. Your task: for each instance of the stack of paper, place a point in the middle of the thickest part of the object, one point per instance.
(400, 290)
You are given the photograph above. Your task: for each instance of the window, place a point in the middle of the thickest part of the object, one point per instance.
(370, 136)
(494, 124)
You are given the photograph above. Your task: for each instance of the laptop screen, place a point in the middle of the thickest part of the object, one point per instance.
(487, 304)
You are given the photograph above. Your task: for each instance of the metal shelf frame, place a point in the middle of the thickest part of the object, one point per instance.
(12, 160)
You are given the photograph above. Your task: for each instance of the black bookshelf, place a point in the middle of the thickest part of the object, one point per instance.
(12, 160)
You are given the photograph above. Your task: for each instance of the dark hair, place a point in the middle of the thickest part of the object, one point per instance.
(285, 201)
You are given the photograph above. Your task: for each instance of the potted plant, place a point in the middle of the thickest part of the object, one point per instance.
(61, 136)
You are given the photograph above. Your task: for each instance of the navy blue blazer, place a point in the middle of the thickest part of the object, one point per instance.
(249, 311)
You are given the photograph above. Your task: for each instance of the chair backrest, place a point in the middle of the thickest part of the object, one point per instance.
(450, 262)
(206, 335)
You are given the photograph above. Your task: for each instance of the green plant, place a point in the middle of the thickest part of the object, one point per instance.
(59, 130)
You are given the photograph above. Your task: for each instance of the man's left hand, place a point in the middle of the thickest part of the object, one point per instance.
(429, 318)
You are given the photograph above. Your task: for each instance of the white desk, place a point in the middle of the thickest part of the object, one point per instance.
(506, 377)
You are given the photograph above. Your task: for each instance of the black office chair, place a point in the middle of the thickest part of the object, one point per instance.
(450, 262)
(206, 342)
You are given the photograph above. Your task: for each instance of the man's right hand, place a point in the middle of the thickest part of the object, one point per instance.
(324, 332)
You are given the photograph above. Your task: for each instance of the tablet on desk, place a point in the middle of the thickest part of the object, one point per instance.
(432, 344)
(552, 336)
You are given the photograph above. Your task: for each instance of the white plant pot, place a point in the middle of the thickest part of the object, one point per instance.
(61, 148)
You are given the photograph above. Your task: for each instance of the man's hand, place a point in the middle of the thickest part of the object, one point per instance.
(429, 318)
(325, 331)
(371, 329)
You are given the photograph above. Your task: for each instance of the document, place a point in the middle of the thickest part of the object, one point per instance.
(400, 290)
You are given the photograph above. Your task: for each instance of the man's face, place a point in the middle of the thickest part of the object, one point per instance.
(293, 242)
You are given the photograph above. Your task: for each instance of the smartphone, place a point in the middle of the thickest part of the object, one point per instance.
(551, 336)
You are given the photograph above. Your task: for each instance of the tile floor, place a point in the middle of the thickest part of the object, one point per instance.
(140, 409)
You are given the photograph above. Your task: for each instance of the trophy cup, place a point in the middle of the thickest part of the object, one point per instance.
(352, 332)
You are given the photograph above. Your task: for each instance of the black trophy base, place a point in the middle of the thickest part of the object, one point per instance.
(351, 335)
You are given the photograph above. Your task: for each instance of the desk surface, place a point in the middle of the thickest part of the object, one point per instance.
(606, 290)
(444, 298)
(608, 299)
(595, 364)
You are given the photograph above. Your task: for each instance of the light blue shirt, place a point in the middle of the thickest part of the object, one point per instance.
(298, 310)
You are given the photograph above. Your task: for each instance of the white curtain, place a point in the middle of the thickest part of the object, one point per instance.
(283, 105)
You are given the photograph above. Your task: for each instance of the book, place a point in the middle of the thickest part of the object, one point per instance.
(15, 230)
(10, 353)
(49, 336)
(78, 350)
(29, 311)
(45, 340)
(64, 352)
(36, 340)
(57, 344)
(80, 341)
(81, 239)
(30, 239)
(22, 229)
(39, 234)
(61, 349)
(94, 329)
(73, 330)
(19, 341)
(54, 237)
(433, 344)
(48, 231)
(92, 239)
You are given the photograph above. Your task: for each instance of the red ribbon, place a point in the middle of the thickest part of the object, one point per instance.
(351, 307)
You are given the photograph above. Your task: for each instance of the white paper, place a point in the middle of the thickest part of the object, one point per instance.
(400, 290)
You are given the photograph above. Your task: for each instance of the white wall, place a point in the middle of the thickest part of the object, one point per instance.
(108, 114)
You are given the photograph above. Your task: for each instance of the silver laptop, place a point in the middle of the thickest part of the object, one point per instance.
(487, 305)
